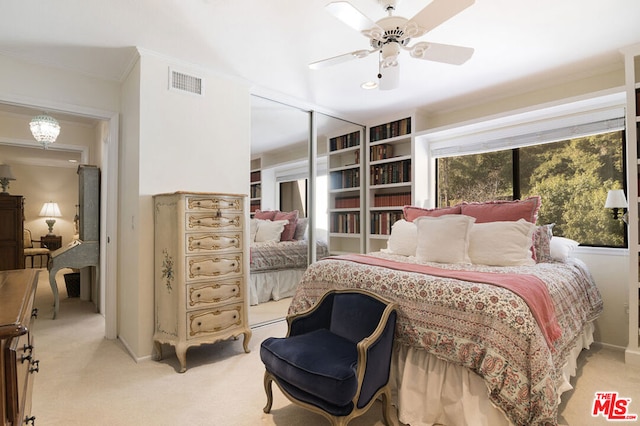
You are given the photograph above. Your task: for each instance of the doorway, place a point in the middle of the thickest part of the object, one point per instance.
(103, 147)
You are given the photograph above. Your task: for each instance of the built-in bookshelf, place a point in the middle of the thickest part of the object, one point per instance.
(255, 190)
(391, 178)
(632, 83)
(345, 180)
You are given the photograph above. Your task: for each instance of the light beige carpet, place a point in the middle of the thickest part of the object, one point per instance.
(87, 380)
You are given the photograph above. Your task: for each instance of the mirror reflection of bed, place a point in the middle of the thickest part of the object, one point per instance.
(283, 179)
(277, 266)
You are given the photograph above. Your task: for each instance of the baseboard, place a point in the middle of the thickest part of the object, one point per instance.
(131, 353)
(632, 357)
(609, 346)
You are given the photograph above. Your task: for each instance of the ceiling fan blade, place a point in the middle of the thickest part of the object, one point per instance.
(351, 16)
(446, 53)
(437, 12)
(340, 59)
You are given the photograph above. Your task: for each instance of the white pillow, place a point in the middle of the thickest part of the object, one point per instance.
(502, 243)
(561, 248)
(403, 239)
(444, 239)
(253, 227)
(270, 230)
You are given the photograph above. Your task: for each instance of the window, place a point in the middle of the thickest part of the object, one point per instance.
(293, 196)
(572, 177)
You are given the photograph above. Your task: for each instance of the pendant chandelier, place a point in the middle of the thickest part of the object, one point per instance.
(45, 129)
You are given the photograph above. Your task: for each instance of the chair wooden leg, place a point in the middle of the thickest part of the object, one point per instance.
(387, 409)
(268, 390)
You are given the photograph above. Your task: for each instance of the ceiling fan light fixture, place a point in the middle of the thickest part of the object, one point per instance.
(389, 77)
(45, 129)
(369, 85)
(390, 52)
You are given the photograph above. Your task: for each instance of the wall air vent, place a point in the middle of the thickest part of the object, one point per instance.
(185, 82)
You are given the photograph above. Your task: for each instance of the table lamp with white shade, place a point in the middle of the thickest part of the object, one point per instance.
(50, 210)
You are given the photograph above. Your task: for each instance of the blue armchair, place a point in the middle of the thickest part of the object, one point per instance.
(336, 357)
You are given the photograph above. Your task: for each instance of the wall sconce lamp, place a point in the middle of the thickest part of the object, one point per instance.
(5, 176)
(50, 210)
(617, 202)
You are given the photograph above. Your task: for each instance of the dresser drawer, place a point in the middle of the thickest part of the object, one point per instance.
(214, 203)
(21, 368)
(206, 267)
(213, 321)
(213, 243)
(214, 222)
(212, 293)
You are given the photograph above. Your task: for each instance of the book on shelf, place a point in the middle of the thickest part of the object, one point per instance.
(390, 130)
(381, 152)
(255, 176)
(381, 222)
(395, 172)
(345, 179)
(347, 202)
(255, 191)
(392, 200)
(345, 223)
(344, 141)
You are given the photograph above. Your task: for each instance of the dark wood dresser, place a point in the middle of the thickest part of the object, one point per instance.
(17, 352)
(11, 232)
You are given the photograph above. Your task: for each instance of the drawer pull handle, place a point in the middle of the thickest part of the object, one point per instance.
(27, 348)
(198, 295)
(31, 420)
(24, 358)
(199, 323)
(34, 314)
(35, 366)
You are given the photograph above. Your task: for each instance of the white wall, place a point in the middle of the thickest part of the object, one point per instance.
(46, 87)
(129, 275)
(609, 268)
(180, 142)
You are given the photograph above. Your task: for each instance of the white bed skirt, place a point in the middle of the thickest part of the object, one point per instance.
(428, 390)
(273, 285)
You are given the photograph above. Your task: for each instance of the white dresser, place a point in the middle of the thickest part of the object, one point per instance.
(200, 271)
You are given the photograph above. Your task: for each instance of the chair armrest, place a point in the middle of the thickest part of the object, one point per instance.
(314, 318)
(376, 350)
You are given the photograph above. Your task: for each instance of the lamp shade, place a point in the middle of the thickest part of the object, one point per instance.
(45, 129)
(50, 209)
(5, 172)
(616, 199)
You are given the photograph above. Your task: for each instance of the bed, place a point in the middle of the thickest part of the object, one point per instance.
(278, 254)
(470, 350)
(277, 267)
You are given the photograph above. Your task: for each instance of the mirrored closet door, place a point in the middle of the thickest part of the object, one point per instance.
(289, 189)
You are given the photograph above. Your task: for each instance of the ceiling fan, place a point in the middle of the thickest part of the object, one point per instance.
(392, 33)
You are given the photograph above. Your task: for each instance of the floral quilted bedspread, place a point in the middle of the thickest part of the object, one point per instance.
(486, 328)
(272, 256)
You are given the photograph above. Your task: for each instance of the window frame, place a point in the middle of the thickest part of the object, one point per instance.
(515, 177)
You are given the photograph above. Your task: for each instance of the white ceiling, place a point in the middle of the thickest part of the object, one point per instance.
(268, 44)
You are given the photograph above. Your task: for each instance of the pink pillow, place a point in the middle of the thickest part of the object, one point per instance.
(289, 229)
(494, 211)
(265, 215)
(411, 213)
